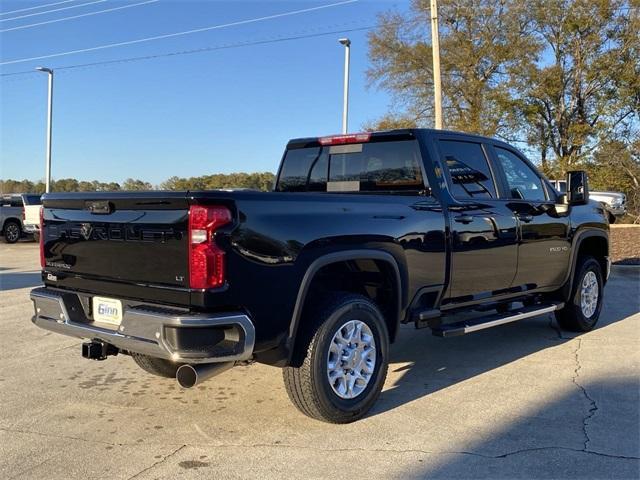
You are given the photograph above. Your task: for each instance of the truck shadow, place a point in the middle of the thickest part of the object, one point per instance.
(17, 280)
(430, 364)
(558, 439)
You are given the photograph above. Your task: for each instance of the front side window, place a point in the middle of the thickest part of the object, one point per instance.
(524, 183)
(468, 169)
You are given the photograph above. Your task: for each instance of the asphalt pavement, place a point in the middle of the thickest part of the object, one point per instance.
(523, 400)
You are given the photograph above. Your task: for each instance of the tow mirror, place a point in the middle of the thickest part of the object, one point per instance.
(577, 187)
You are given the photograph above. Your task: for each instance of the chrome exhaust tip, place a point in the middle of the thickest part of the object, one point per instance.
(188, 376)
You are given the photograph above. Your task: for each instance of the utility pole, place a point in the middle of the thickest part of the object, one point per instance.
(435, 48)
(49, 127)
(345, 101)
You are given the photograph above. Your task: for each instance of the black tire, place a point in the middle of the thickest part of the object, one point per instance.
(612, 218)
(11, 231)
(306, 380)
(572, 317)
(156, 366)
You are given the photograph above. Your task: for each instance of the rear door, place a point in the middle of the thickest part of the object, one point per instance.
(544, 248)
(483, 229)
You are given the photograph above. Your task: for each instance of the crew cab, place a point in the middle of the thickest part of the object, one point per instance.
(361, 233)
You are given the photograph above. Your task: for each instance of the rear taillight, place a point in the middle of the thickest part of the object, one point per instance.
(344, 139)
(206, 260)
(42, 237)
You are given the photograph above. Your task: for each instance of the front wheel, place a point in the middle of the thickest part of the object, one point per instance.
(341, 360)
(582, 310)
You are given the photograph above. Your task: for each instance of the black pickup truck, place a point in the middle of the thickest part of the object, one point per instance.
(362, 232)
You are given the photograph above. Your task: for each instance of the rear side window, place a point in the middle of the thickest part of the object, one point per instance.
(468, 169)
(16, 202)
(362, 167)
(524, 183)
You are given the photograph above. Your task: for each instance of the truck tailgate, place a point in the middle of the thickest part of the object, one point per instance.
(126, 237)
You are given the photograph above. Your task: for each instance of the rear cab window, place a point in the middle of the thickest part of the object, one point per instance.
(376, 166)
(32, 199)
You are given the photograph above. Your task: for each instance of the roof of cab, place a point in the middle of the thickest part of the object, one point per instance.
(401, 132)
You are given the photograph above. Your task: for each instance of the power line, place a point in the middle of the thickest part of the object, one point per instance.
(51, 11)
(188, 32)
(78, 16)
(39, 6)
(211, 48)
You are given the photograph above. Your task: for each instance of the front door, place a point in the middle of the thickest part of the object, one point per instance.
(544, 249)
(483, 229)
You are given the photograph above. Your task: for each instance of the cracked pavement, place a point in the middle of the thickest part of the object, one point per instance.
(524, 400)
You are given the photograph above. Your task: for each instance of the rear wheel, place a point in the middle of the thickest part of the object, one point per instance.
(582, 310)
(11, 231)
(156, 366)
(341, 360)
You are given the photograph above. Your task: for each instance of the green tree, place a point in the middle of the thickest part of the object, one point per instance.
(135, 184)
(257, 181)
(616, 166)
(482, 42)
(588, 90)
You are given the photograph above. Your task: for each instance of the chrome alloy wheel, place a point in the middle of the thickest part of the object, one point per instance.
(12, 232)
(589, 294)
(351, 359)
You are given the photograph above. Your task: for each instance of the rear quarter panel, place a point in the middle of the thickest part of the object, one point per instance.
(279, 235)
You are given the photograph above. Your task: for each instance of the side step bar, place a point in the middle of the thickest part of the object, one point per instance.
(462, 328)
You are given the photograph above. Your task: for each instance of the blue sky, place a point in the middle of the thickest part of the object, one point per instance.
(222, 111)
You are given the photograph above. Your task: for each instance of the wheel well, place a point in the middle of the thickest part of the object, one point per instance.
(9, 220)
(596, 247)
(375, 279)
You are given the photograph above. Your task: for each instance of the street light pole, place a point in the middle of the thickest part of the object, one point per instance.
(435, 50)
(345, 101)
(49, 72)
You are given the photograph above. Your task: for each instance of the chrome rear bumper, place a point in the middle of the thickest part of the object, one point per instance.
(149, 331)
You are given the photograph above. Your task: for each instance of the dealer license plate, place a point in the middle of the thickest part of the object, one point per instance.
(107, 310)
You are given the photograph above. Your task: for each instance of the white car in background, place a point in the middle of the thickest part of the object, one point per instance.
(615, 203)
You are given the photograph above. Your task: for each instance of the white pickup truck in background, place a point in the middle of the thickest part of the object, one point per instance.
(20, 215)
(615, 203)
(31, 220)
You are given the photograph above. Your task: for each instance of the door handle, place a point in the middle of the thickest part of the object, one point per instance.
(463, 219)
(526, 218)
